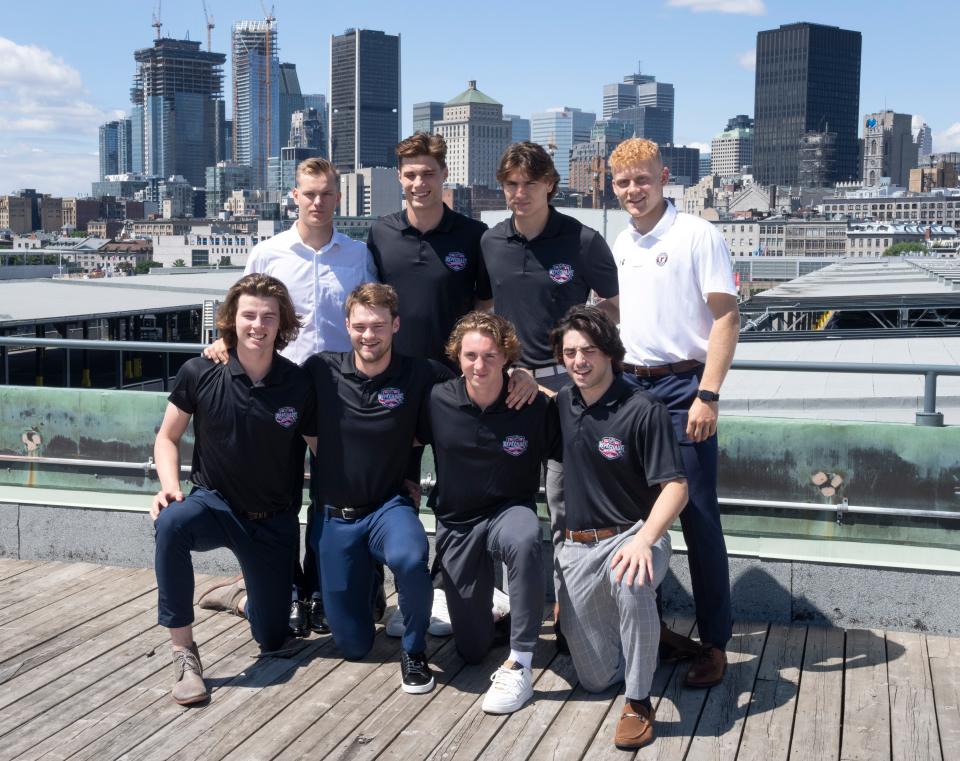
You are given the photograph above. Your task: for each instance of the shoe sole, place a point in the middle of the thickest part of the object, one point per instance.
(633, 746)
(417, 689)
(215, 586)
(192, 701)
(504, 710)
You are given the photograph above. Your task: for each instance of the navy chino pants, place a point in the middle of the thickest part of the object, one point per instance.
(700, 519)
(264, 548)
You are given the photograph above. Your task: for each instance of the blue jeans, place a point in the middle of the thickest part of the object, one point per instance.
(265, 549)
(700, 519)
(392, 535)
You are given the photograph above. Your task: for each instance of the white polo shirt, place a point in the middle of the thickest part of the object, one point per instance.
(665, 277)
(319, 283)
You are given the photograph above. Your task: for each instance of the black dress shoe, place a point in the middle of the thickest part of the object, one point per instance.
(298, 619)
(318, 621)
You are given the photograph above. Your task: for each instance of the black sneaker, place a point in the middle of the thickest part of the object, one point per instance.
(318, 621)
(415, 674)
(298, 619)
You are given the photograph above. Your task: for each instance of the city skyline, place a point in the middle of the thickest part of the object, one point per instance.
(54, 93)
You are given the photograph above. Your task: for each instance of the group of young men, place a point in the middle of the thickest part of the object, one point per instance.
(398, 348)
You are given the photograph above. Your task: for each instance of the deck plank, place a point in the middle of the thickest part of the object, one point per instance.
(866, 715)
(945, 677)
(769, 723)
(42, 582)
(721, 723)
(13, 567)
(816, 728)
(913, 715)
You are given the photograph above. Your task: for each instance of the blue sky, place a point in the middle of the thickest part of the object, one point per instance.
(66, 67)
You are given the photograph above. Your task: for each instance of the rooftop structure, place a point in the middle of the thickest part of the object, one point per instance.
(476, 135)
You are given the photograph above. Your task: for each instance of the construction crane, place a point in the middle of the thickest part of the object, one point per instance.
(209, 19)
(270, 19)
(156, 18)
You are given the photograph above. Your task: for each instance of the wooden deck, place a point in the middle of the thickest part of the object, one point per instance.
(85, 672)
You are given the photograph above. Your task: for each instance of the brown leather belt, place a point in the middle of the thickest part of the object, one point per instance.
(659, 371)
(594, 535)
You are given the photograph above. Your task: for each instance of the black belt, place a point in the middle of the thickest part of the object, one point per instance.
(658, 371)
(258, 516)
(352, 512)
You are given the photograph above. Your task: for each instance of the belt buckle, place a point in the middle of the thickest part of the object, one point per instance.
(348, 513)
(596, 536)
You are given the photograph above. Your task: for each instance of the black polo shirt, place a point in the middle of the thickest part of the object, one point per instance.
(248, 438)
(536, 281)
(437, 275)
(487, 459)
(615, 453)
(367, 425)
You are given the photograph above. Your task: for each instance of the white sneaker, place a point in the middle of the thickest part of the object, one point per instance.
(501, 604)
(440, 625)
(512, 687)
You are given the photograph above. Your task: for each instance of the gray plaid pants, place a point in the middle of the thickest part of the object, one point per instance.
(612, 629)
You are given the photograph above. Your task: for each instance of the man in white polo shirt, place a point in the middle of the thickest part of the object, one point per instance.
(679, 324)
(320, 267)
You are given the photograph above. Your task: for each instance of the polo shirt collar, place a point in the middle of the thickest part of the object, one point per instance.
(550, 230)
(463, 398)
(663, 225)
(348, 366)
(611, 397)
(273, 376)
(445, 224)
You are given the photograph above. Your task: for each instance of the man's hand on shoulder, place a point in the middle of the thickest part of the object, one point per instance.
(521, 389)
(163, 499)
(702, 420)
(217, 352)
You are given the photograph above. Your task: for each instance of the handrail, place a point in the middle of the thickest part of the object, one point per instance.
(429, 482)
(926, 417)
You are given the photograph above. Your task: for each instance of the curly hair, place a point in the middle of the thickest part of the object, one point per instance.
(264, 287)
(498, 328)
(633, 151)
(597, 326)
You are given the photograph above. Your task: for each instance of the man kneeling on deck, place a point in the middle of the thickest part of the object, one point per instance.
(369, 406)
(250, 416)
(625, 485)
(489, 459)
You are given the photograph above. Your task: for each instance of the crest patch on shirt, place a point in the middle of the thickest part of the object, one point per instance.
(286, 416)
(611, 447)
(561, 273)
(455, 260)
(661, 259)
(515, 444)
(390, 397)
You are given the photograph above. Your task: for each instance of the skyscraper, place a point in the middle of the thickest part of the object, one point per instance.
(256, 97)
(426, 114)
(109, 148)
(177, 99)
(642, 90)
(923, 137)
(476, 135)
(318, 101)
(558, 130)
(364, 99)
(306, 131)
(807, 81)
(519, 128)
(732, 149)
(649, 122)
(291, 99)
(888, 148)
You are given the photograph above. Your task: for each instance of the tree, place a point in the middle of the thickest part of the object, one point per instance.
(143, 267)
(179, 263)
(902, 249)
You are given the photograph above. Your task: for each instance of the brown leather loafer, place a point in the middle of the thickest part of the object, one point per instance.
(676, 647)
(635, 728)
(708, 667)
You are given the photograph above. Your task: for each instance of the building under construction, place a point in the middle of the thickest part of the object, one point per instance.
(256, 96)
(178, 109)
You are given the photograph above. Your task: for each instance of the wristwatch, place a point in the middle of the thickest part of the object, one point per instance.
(708, 396)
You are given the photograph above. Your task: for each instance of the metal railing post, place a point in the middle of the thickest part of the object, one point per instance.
(929, 415)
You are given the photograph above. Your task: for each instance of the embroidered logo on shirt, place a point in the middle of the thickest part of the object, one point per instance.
(561, 273)
(661, 259)
(455, 260)
(390, 397)
(611, 448)
(286, 416)
(515, 444)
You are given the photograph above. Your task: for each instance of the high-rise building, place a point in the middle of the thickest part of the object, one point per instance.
(318, 101)
(221, 181)
(817, 159)
(109, 149)
(888, 148)
(306, 131)
(558, 130)
(370, 192)
(519, 128)
(291, 99)
(618, 96)
(923, 137)
(683, 162)
(177, 99)
(426, 114)
(649, 122)
(476, 135)
(642, 90)
(283, 168)
(364, 99)
(657, 95)
(807, 80)
(257, 125)
(732, 149)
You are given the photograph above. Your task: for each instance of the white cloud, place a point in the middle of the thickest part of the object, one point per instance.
(60, 173)
(948, 140)
(748, 59)
(917, 121)
(30, 69)
(745, 7)
(702, 147)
